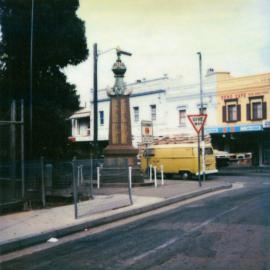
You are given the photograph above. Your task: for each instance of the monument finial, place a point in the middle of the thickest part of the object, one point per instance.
(119, 69)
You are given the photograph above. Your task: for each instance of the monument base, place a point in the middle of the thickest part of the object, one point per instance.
(116, 163)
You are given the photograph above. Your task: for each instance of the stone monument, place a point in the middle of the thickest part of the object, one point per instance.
(120, 153)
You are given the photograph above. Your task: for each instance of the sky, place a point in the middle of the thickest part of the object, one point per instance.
(164, 37)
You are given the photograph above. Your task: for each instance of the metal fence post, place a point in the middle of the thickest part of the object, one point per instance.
(98, 177)
(22, 149)
(81, 175)
(43, 191)
(91, 178)
(130, 184)
(155, 176)
(78, 175)
(162, 175)
(75, 195)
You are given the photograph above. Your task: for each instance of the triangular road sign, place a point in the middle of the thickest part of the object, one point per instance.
(197, 121)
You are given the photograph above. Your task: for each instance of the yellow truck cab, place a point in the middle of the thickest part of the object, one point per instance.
(179, 159)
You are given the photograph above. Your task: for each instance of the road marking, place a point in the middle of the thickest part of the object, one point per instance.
(171, 241)
(92, 231)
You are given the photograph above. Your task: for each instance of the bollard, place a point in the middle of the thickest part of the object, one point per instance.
(150, 173)
(130, 184)
(98, 177)
(162, 175)
(155, 176)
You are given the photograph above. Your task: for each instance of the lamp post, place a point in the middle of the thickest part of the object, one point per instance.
(96, 54)
(95, 89)
(31, 81)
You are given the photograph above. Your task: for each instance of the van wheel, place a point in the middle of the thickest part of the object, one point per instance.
(185, 175)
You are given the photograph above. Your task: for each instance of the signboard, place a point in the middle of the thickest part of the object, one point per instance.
(197, 121)
(232, 129)
(266, 124)
(147, 132)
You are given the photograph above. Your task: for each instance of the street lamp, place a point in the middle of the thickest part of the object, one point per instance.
(31, 80)
(96, 54)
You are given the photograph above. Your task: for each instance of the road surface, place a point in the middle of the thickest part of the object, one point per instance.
(227, 231)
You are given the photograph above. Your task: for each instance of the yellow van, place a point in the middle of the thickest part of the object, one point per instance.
(179, 159)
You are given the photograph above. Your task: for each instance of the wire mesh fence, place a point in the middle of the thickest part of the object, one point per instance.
(87, 183)
(93, 190)
(10, 183)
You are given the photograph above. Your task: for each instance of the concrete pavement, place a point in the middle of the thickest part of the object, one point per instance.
(23, 229)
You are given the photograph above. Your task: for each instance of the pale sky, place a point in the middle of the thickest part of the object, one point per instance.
(165, 35)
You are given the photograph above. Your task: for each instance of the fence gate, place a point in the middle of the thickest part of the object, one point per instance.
(12, 177)
(91, 196)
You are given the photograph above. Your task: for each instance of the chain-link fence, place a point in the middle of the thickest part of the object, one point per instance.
(11, 154)
(10, 184)
(96, 189)
(89, 184)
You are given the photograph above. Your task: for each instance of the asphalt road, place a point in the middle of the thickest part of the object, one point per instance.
(228, 231)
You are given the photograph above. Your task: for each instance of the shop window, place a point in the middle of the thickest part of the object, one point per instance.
(231, 112)
(256, 109)
(136, 114)
(153, 109)
(182, 117)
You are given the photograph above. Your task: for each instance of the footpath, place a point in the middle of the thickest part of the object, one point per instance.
(23, 229)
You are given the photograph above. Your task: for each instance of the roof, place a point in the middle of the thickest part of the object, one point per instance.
(177, 145)
(85, 112)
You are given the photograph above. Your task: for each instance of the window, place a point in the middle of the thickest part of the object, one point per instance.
(182, 117)
(256, 109)
(231, 112)
(136, 114)
(83, 126)
(153, 112)
(101, 118)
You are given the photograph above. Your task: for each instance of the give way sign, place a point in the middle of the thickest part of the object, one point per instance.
(197, 121)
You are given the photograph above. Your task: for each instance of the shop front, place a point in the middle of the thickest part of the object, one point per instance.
(246, 145)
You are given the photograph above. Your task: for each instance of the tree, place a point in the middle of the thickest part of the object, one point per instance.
(58, 40)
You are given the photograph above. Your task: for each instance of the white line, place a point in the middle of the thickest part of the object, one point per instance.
(173, 240)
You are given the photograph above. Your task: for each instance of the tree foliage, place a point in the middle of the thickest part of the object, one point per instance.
(58, 40)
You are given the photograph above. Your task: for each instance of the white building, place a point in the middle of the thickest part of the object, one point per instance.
(166, 102)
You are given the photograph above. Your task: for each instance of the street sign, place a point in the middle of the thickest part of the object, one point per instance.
(147, 132)
(197, 121)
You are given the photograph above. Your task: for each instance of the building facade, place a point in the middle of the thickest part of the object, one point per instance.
(237, 108)
(243, 115)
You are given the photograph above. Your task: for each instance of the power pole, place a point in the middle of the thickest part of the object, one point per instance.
(22, 148)
(13, 142)
(201, 112)
(95, 97)
(31, 82)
